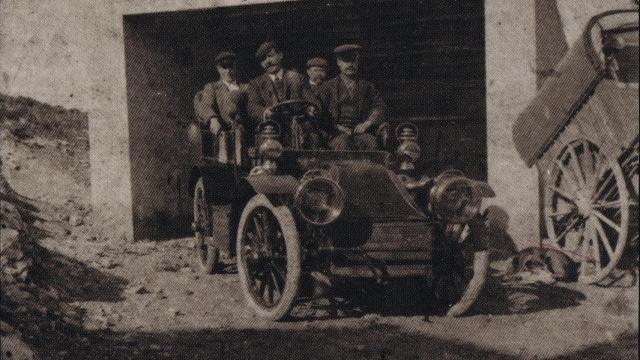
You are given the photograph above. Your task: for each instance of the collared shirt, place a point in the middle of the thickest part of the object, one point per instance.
(313, 83)
(277, 76)
(231, 86)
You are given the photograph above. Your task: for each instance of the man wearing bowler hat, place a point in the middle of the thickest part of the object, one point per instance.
(352, 108)
(275, 85)
(220, 104)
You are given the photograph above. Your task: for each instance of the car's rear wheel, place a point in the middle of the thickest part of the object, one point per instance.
(460, 266)
(208, 256)
(269, 258)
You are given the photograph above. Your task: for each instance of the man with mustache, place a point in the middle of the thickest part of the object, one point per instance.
(353, 107)
(275, 85)
(220, 104)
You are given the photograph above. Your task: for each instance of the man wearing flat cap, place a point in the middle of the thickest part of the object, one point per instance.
(316, 75)
(275, 85)
(353, 108)
(220, 104)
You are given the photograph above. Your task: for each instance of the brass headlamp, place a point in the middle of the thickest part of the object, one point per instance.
(270, 148)
(408, 150)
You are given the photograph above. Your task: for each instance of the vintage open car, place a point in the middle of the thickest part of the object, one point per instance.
(299, 215)
(581, 132)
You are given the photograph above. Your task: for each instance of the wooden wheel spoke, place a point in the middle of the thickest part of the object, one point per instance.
(266, 228)
(607, 221)
(567, 229)
(570, 177)
(270, 287)
(276, 283)
(253, 238)
(258, 229)
(561, 213)
(263, 286)
(577, 168)
(603, 237)
(603, 185)
(562, 193)
(608, 204)
(595, 247)
(584, 253)
(586, 151)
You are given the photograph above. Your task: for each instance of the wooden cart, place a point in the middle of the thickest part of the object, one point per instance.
(581, 132)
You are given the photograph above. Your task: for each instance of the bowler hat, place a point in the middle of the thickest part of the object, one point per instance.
(317, 61)
(264, 49)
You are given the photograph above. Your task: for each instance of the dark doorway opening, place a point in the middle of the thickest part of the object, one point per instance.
(426, 57)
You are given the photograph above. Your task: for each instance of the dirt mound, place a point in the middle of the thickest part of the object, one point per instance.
(45, 150)
(28, 118)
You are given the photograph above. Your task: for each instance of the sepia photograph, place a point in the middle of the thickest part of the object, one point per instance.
(319, 179)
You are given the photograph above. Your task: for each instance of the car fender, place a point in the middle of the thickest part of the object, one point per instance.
(273, 184)
(484, 189)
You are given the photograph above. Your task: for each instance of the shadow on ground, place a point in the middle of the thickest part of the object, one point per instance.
(372, 342)
(504, 299)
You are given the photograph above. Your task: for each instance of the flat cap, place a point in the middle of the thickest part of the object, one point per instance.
(345, 48)
(225, 55)
(265, 48)
(317, 61)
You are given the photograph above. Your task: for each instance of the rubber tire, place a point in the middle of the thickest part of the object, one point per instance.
(294, 259)
(209, 258)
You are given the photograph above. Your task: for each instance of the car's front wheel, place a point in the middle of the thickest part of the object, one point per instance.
(269, 258)
(207, 255)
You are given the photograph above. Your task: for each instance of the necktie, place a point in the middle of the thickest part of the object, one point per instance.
(280, 90)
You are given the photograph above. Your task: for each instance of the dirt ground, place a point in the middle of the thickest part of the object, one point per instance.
(145, 300)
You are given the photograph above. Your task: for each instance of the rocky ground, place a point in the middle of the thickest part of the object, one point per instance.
(70, 289)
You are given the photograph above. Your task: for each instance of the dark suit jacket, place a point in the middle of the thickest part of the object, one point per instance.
(262, 93)
(216, 101)
(371, 104)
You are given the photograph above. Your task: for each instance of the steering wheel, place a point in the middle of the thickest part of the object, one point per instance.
(290, 108)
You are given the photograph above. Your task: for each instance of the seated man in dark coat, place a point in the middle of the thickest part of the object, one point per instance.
(352, 108)
(315, 138)
(220, 104)
(275, 85)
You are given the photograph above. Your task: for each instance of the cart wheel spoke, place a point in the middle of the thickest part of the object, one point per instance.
(595, 247)
(603, 237)
(615, 204)
(589, 164)
(577, 168)
(571, 179)
(562, 193)
(276, 283)
(607, 221)
(570, 227)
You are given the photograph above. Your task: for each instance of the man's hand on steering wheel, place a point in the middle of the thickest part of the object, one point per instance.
(362, 127)
(344, 130)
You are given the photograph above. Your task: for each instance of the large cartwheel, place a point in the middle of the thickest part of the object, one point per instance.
(587, 208)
